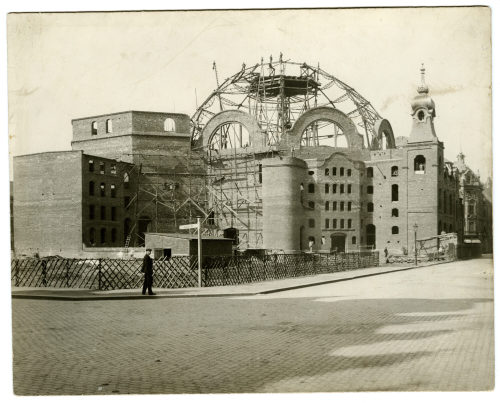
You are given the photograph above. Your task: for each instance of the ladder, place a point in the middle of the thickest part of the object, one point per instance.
(127, 241)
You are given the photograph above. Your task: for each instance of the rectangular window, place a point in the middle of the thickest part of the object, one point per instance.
(102, 168)
(349, 206)
(91, 166)
(113, 169)
(311, 223)
(341, 188)
(341, 206)
(334, 188)
(113, 213)
(334, 223)
(311, 204)
(91, 212)
(327, 171)
(334, 170)
(126, 201)
(327, 188)
(334, 205)
(353, 240)
(103, 212)
(341, 223)
(349, 172)
(113, 191)
(327, 223)
(369, 189)
(341, 171)
(349, 188)
(349, 223)
(327, 205)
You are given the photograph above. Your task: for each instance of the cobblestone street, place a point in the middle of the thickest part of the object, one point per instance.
(422, 329)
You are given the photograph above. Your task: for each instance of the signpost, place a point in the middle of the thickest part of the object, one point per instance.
(196, 225)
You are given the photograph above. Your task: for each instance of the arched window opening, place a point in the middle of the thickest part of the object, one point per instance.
(211, 218)
(334, 170)
(103, 212)
(395, 212)
(113, 235)
(395, 193)
(91, 166)
(94, 128)
(324, 133)
(103, 189)
(113, 191)
(341, 171)
(92, 236)
(109, 126)
(395, 230)
(230, 135)
(419, 164)
(169, 125)
(91, 212)
(91, 188)
(394, 171)
(103, 235)
(126, 180)
(349, 172)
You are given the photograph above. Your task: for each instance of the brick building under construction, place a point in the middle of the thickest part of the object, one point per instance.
(282, 156)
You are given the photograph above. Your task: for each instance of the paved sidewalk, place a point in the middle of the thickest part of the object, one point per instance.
(257, 288)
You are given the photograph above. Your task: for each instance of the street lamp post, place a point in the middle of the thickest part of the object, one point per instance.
(415, 227)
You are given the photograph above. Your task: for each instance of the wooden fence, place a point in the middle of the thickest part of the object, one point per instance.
(179, 272)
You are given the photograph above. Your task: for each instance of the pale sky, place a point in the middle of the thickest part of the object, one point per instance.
(71, 65)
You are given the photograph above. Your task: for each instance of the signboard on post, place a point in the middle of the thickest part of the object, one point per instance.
(195, 226)
(188, 226)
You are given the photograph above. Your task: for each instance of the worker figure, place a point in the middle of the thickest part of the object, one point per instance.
(147, 269)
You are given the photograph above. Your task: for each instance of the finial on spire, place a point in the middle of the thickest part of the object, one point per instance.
(423, 87)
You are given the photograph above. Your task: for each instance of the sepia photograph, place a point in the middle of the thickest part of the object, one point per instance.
(287, 200)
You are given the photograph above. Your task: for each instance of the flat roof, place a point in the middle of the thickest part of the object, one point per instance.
(128, 112)
(187, 236)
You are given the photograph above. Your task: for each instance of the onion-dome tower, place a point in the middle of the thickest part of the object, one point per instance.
(423, 114)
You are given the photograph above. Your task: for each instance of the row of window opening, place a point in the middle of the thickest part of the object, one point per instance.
(168, 126)
(102, 211)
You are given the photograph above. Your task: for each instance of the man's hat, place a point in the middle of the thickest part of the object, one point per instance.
(149, 249)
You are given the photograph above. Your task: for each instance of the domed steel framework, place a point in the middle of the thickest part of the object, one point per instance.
(276, 94)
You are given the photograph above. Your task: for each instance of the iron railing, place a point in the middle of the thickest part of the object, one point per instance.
(179, 272)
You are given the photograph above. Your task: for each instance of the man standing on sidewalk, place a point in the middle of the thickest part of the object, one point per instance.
(147, 269)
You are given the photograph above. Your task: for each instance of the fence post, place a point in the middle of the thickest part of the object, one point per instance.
(99, 275)
(67, 274)
(44, 273)
(16, 273)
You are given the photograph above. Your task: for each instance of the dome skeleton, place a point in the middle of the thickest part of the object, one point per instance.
(277, 93)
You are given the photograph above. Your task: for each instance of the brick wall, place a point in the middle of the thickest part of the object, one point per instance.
(47, 203)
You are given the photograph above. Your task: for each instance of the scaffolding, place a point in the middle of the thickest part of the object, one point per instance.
(221, 180)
